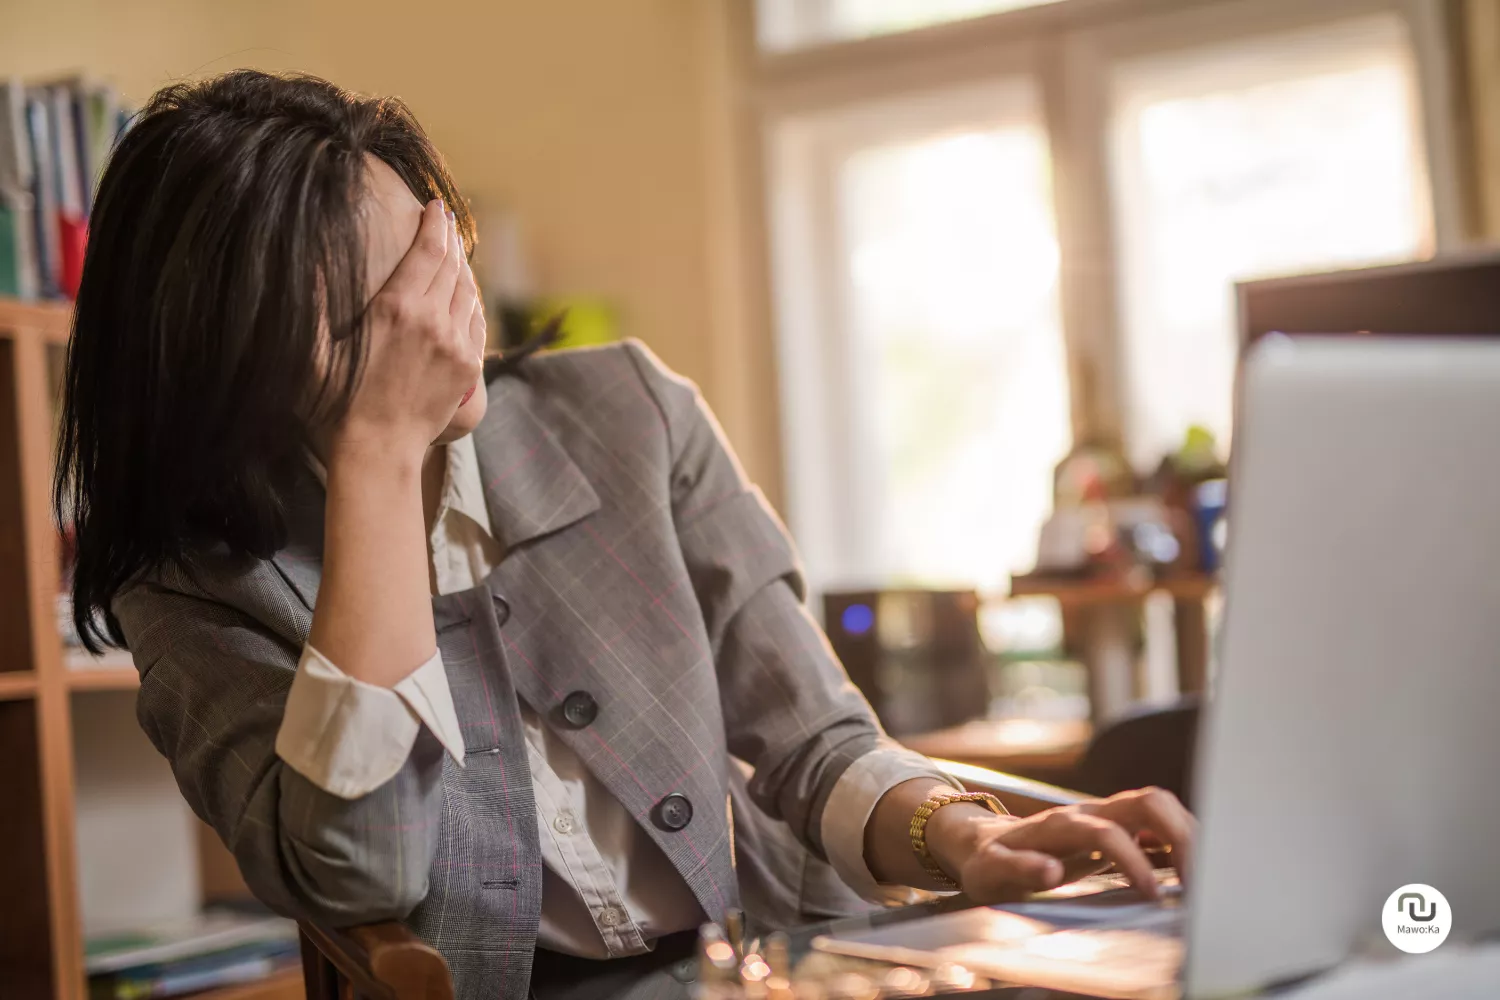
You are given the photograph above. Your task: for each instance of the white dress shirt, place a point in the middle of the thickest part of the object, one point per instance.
(608, 890)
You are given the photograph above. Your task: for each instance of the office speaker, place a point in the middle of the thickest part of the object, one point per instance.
(916, 655)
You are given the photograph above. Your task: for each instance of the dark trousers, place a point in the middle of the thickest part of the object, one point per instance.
(664, 973)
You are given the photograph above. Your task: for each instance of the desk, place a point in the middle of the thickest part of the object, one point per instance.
(1106, 608)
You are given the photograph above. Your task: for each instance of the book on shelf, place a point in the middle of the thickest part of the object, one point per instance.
(17, 258)
(44, 195)
(220, 947)
(54, 139)
(18, 262)
(71, 226)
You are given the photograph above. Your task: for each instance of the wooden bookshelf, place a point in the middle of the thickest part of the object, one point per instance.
(44, 861)
(51, 321)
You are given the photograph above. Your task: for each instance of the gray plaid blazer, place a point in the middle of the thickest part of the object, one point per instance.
(641, 569)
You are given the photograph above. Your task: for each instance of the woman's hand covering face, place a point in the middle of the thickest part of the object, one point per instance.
(426, 325)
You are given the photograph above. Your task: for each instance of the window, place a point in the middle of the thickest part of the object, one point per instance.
(792, 24)
(1288, 154)
(946, 356)
(988, 243)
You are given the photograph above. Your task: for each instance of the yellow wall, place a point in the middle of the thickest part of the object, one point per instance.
(581, 114)
(586, 118)
(1482, 32)
(137, 44)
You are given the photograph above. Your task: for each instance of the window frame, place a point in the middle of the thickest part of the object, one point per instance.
(812, 325)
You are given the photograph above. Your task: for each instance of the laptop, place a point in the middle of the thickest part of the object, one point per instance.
(1352, 735)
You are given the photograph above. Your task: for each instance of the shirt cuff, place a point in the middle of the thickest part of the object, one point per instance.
(848, 811)
(349, 737)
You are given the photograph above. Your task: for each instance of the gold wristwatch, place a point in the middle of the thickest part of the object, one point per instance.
(924, 812)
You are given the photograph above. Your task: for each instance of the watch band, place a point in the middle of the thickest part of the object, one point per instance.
(924, 812)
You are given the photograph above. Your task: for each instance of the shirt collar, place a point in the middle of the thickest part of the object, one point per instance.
(531, 485)
(463, 489)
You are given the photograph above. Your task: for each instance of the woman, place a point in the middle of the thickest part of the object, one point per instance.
(480, 657)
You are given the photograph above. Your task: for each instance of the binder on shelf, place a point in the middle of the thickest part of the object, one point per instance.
(18, 264)
(71, 225)
(15, 149)
(44, 193)
(15, 238)
(99, 115)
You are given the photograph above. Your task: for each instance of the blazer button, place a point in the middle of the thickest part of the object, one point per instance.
(685, 971)
(674, 812)
(580, 709)
(502, 610)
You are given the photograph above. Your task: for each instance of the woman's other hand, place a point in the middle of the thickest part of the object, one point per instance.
(999, 858)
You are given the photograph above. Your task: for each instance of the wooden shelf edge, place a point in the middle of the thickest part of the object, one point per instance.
(53, 320)
(17, 685)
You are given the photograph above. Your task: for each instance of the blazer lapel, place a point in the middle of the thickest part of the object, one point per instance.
(531, 488)
(531, 485)
(569, 637)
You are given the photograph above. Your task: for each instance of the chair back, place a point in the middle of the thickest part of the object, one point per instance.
(1153, 746)
(383, 961)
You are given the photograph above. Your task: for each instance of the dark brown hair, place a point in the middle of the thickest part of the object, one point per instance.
(225, 234)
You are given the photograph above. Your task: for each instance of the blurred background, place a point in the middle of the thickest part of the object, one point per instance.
(959, 278)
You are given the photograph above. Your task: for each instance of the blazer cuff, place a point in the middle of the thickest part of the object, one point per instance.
(848, 811)
(348, 737)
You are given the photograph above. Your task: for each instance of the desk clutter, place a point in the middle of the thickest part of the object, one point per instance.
(1023, 683)
(1095, 937)
(1118, 612)
(735, 966)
